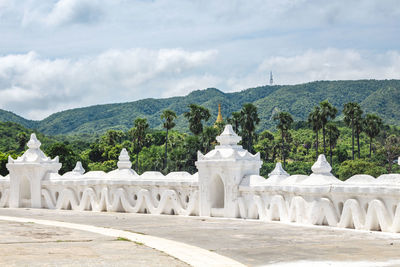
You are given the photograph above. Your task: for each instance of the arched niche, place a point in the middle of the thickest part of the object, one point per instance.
(217, 193)
(25, 192)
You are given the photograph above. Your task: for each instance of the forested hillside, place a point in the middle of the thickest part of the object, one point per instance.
(375, 96)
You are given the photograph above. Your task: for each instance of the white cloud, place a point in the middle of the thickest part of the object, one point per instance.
(33, 86)
(74, 11)
(62, 12)
(326, 64)
(299, 40)
(183, 86)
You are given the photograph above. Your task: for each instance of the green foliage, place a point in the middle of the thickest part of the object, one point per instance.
(285, 121)
(4, 161)
(195, 117)
(66, 154)
(352, 167)
(139, 136)
(295, 145)
(375, 96)
(248, 121)
(266, 168)
(299, 167)
(372, 127)
(235, 121)
(168, 116)
(209, 137)
(352, 117)
(328, 112)
(392, 150)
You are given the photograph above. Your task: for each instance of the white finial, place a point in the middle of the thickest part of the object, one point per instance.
(34, 154)
(321, 166)
(34, 143)
(124, 160)
(78, 168)
(278, 171)
(228, 137)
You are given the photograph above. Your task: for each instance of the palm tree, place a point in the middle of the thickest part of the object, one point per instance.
(358, 128)
(209, 135)
(113, 137)
(352, 113)
(285, 121)
(235, 121)
(328, 112)
(314, 119)
(265, 144)
(372, 127)
(195, 116)
(333, 135)
(249, 120)
(22, 138)
(139, 134)
(392, 150)
(168, 116)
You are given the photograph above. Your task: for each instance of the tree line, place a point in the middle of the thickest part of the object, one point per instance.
(297, 144)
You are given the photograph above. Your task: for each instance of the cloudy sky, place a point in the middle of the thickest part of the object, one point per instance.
(56, 55)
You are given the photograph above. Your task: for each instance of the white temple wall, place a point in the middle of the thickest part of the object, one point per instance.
(4, 191)
(179, 198)
(366, 207)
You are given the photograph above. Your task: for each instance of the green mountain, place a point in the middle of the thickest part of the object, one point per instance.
(375, 96)
(11, 117)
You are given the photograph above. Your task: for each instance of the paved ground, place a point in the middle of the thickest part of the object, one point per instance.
(27, 244)
(250, 242)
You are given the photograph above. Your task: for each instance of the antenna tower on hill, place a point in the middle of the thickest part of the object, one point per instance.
(271, 79)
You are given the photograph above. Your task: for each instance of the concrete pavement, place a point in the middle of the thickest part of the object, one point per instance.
(249, 242)
(29, 244)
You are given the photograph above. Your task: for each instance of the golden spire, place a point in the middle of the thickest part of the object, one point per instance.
(219, 118)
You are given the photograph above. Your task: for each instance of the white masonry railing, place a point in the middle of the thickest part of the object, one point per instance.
(227, 185)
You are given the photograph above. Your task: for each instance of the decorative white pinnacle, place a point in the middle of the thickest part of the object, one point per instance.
(278, 171)
(78, 168)
(124, 160)
(33, 154)
(228, 137)
(34, 143)
(321, 166)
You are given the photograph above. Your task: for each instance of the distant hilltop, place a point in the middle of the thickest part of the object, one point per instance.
(381, 97)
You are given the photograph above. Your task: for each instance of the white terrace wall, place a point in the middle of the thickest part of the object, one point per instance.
(227, 185)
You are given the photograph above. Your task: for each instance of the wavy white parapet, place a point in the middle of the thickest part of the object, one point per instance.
(350, 213)
(121, 174)
(121, 199)
(361, 179)
(294, 179)
(253, 180)
(152, 175)
(94, 175)
(179, 176)
(393, 178)
(4, 197)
